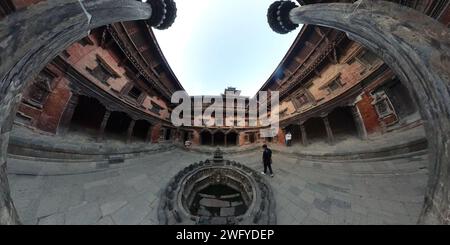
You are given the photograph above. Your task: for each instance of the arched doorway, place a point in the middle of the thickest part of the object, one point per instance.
(252, 138)
(342, 123)
(88, 116)
(141, 130)
(186, 135)
(219, 138)
(232, 138)
(168, 134)
(315, 130)
(206, 137)
(295, 132)
(117, 125)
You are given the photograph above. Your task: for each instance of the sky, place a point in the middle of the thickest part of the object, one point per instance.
(214, 44)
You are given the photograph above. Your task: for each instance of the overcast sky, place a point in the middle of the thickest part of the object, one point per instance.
(219, 43)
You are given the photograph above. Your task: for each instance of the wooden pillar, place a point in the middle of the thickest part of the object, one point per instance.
(362, 133)
(304, 135)
(164, 132)
(328, 129)
(226, 141)
(101, 131)
(130, 130)
(67, 116)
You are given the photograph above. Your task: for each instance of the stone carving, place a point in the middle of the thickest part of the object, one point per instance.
(251, 201)
(218, 155)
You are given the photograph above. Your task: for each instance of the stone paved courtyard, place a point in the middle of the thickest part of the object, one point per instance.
(306, 192)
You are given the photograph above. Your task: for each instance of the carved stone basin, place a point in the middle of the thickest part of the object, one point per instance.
(219, 192)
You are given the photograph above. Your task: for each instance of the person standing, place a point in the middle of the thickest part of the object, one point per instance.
(288, 138)
(267, 160)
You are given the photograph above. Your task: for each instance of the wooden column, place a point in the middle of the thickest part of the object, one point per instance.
(130, 130)
(226, 141)
(362, 133)
(67, 116)
(304, 135)
(328, 129)
(101, 132)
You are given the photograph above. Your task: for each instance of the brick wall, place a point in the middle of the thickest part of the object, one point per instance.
(281, 137)
(47, 118)
(156, 131)
(369, 114)
(54, 107)
(242, 139)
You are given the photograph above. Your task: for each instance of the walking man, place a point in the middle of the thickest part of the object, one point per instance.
(267, 160)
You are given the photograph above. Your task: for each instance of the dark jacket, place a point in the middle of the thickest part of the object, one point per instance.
(267, 156)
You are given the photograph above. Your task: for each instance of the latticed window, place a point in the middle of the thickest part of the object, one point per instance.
(383, 105)
(302, 98)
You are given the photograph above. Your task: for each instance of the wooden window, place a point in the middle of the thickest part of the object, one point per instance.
(155, 108)
(134, 93)
(302, 98)
(368, 59)
(23, 119)
(103, 72)
(383, 105)
(334, 84)
(40, 89)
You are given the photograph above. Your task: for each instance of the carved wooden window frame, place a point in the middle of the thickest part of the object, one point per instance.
(302, 92)
(382, 98)
(105, 68)
(335, 80)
